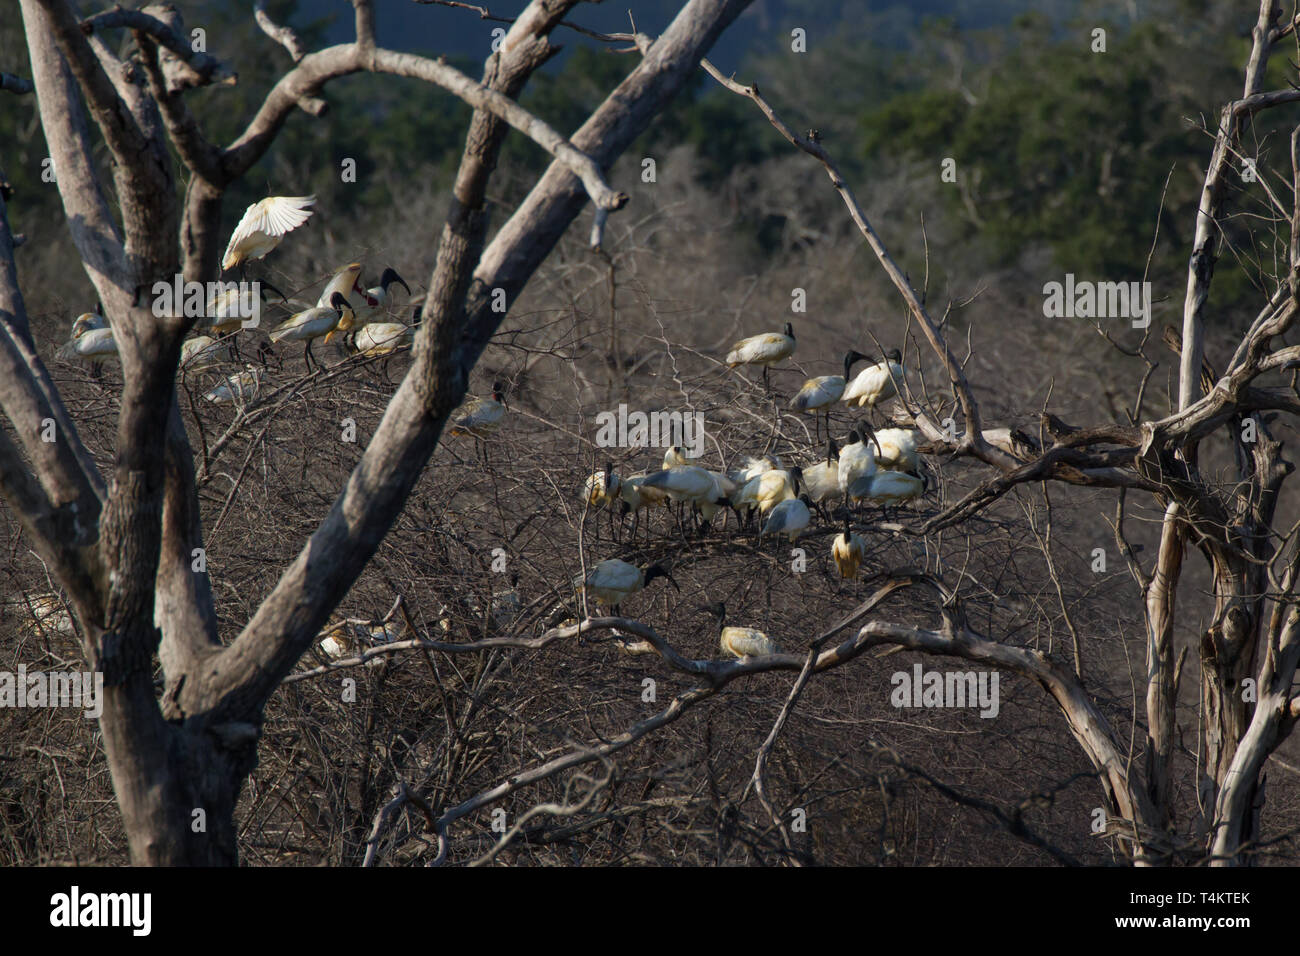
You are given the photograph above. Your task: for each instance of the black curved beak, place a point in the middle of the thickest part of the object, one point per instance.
(390, 276)
(263, 282)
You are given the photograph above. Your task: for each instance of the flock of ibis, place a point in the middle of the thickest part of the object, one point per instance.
(881, 467)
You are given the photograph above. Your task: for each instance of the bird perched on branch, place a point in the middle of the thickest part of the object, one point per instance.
(822, 478)
(264, 226)
(790, 518)
(819, 394)
(848, 551)
(889, 488)
(741, 642)
(857, 459)
(378, 297)
(479, 416)
(379, 338)
(613, 581)
(897, 449)
(877, 382)
(239, 389)
(765, 491)
(766, 350)
(310, 324)
(92, 340)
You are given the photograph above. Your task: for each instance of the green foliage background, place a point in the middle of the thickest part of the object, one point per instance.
(1059, 149)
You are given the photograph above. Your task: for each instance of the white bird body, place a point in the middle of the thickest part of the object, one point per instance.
(344, 283)
(897, 449)
(675, 456)
(848, 551)
(686, 483)
(200, 352)
(747, 642)
(87, 321)
(857, 461)
(822, 478)
(824, 390)
(741, 642)
(613, 580)
(239, 389)
(767, 348)
(306, 325)
(822, 482)
(349, 639)
(479, 416)
(724, 487)
(749, 468)
(603, 489)
(725, 484)
(382, 338)
(818, 393)
(264, 225)
(789, 517)
(888, 488)
(765, 491)
(875, 383)
(89, 344)
(633, 491)
(222, 313)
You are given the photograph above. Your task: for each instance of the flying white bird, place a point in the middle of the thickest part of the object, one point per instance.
(264, 225)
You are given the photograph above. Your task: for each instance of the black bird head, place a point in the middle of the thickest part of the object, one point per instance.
(389, 277)
(658, 571)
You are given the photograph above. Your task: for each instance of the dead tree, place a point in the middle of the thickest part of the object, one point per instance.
(121, 544)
